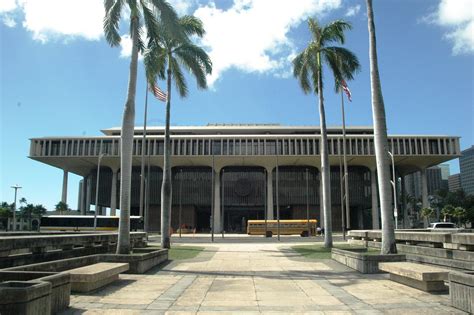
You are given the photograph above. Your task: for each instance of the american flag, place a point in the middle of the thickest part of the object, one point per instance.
(158, 93)
(346, 90)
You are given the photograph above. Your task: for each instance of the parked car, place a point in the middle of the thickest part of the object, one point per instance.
(442, 225)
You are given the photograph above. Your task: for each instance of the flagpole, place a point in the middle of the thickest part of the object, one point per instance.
(142, 171)
(341, 187)
(346, 177)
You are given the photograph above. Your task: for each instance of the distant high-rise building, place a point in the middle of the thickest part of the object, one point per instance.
(445, 172)
(466, 165)
(454, 182)
(433, 179)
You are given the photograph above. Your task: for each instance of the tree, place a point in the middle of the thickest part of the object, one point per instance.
(6, 212)
(380, 142)
(142, 16)
(164, 59)
(308, 69)
(460, 214)
(447, 211)
(427, 213)
(62, 206)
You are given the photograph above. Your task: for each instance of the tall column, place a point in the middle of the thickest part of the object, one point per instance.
(217, 201)
(375, 201)
(424, 193)
(424, 189)
(113, 193)
(269, 194)
(321, 212)
(88, 194)
(84, 195)
(80, 196)
(64, 194)
(404, 203)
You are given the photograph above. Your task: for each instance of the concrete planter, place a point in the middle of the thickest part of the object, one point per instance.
(359, 260)
(29, 297)
(461, 291)
(141, 260)
(60, 285)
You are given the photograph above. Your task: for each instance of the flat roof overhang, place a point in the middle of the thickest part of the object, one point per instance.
(82, 166)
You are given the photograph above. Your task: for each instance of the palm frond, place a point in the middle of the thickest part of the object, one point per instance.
(113, 10)
(314, 28)
(196, 60)
(178, 76)
(149, 20)
(168, 19)
(343, 63)
(155, 62)
(334, 32)
(300, 71)
(192, 25)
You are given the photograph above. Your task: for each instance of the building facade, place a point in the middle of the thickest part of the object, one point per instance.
(434, 178)
(455, 182)
(242, 172)
(466, 166)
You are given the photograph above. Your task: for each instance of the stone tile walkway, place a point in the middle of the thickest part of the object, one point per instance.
(257, 278)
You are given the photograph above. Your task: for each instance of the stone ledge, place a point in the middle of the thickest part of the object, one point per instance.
(415, 271)
(356, 259)
(94, 276)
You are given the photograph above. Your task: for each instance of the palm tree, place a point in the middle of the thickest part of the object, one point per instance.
(380, 142)
(164, 59)
(427, 213)
(142, 14)
(308, 68)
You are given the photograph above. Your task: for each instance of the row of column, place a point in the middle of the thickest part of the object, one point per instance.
(86, 190)
(375, 200)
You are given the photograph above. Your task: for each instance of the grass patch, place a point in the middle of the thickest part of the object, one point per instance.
(184, 252)
(318, 251)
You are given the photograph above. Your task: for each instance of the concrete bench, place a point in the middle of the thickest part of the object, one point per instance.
(422, 277)
(88, 278)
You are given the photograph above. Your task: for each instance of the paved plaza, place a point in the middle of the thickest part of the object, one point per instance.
(253, 278)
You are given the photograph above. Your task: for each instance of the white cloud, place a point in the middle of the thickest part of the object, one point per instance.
(48, 19)
(8, 20)
(183, 7)
(351, 11)
(252, 35)
(125, 46)
(458, 17)
(7, 5)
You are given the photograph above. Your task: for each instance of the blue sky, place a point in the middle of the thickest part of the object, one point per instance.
(60, 78)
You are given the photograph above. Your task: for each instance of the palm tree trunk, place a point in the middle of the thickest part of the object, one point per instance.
(381, 143)
(166, 186)
(126, 148)
(325, 168)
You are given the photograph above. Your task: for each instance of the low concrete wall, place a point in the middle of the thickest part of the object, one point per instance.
(140, 261)
(60, 285)
(23, 250)
(447, 249)
(461, 291)
(358, 259)
(25, 297)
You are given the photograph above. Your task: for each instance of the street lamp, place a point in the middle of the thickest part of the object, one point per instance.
(16, 187)
(394, 184)
(97, 191)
